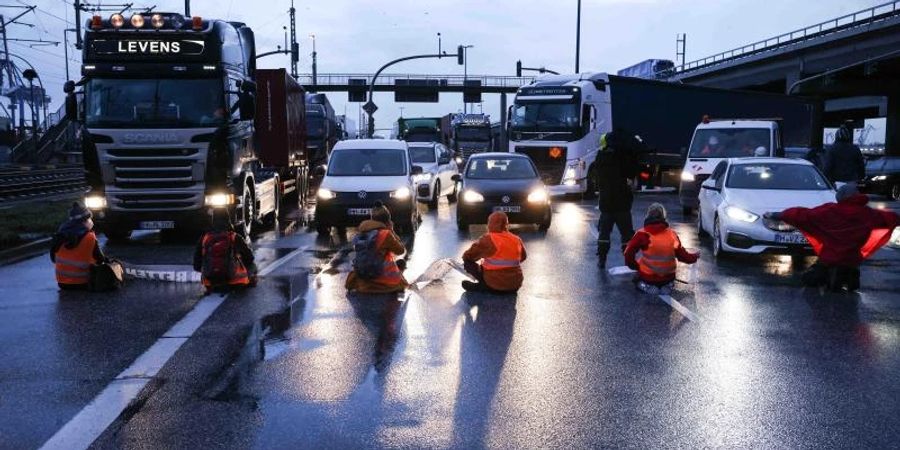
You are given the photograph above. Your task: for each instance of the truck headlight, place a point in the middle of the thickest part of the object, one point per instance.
(325, 194)
(402, 193)
(879, 178)
(570, 175)
(95, 202)
(219, 200)
(472, 197)
(687, 176)
(739, 214)
(538, 196)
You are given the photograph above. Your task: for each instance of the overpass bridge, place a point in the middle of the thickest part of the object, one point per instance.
(852, 61)
(358, 82)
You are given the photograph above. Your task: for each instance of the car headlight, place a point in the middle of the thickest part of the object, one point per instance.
(325, 194)
(402, 193)
(879, 178)
(739, 214)
(687, 176)
(538, 196)
(95, 202)
(472, 197)
(219, 200)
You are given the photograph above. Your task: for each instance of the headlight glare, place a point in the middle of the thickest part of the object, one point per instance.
(879, 178)
(472, 197)
(95, 202)
(739, 214)
(538, 196)
(325, 194)
(402, 193)
(687, 176)
(219, 200)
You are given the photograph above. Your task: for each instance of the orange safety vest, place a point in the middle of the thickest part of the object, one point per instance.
(659, 257)
(508, 254)
(390, 274)
(73, 265)
(241, 277)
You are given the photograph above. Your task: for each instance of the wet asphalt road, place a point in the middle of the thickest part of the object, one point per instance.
(576, 359)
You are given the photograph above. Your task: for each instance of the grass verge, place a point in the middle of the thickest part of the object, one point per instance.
(31, 221)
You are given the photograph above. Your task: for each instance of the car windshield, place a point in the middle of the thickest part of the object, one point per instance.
(500, 169)
(421, 154)
(156, 103)
(473, 134)
(730, 143)
(795, 177)
(367, 162)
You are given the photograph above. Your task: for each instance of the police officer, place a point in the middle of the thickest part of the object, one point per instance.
(617, 164)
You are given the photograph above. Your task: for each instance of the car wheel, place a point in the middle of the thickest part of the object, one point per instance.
(718, 251)
(435, 195)
(548, 219)
(686, 211)
(700, 231)
(453, 196)
(895, 192)
(462, 224)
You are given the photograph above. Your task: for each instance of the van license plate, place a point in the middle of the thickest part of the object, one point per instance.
(508, 209)
(791, 238)
(359, 211)
(157, 225)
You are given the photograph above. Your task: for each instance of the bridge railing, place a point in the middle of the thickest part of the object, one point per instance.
(387, 79)
(860, 18)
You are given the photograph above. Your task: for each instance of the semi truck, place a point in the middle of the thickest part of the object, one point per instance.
(470, 134)
(651, 69)
(323, 130)
(558, 119)
(167, 106)
(421, 129)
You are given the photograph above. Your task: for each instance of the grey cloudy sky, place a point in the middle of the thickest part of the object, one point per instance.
(357, 36)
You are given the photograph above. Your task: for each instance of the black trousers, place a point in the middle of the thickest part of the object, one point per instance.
(832, 277)
(618, 219)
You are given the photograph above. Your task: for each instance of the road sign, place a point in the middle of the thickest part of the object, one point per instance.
(370, 107)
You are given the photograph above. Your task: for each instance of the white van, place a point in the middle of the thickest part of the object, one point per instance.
(358, 174)
(717, 140)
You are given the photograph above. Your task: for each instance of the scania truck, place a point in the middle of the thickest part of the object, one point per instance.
(557, 120)
(167, 105)
(471, 134)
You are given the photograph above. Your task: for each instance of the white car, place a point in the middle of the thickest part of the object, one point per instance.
(438, 168)
(741, 190)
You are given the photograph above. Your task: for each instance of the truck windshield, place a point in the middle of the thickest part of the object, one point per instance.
(422, 135)
(421, 154)
(546, 117)
(473, 134)
(730, 143)
(795, 177)
(315, 126)
(367, 162)
(155, 103)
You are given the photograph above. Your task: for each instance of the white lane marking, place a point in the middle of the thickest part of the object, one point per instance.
(83, 429)
(680, 308)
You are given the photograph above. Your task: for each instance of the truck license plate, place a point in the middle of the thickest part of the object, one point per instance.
(359, 211)
(508, 209)
(157, 225)
(791, 238)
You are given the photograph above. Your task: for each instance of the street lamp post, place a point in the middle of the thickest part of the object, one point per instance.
(30, 75)
(465, 49)
(314, 78)
(578, 39)
(66, 49)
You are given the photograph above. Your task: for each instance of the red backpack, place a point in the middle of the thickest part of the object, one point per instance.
(218, 256)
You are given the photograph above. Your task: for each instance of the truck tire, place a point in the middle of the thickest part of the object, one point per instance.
(117, 236)
(323, 229)
(248, 212)
(278, 196)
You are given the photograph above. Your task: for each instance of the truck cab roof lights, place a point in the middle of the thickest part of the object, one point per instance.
(96, 22)
(117, 20)
(197, 23)
(157, 21)
(176, 21)
(137, 21)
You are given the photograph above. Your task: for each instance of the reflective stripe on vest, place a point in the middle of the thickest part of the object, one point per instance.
(390, 273)
(73, 265)
(659, 256)
(508, 252)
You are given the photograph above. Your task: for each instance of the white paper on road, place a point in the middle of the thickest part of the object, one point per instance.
(162, 272)
(437, 271)
(621, 271)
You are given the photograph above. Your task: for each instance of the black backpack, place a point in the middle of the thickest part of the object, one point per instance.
(368, 262)
(106, 276)
(218, 257)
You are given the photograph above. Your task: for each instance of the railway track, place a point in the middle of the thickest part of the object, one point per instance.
(18, 183)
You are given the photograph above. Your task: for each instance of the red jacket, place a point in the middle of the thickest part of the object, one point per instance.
(843, 233)
(641, 241)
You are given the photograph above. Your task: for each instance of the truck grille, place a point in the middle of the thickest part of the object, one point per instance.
(550, 169)
(160, 201)
(154, 179)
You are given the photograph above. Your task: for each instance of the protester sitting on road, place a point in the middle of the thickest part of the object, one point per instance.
(223, 258)
(501, 254)
(842, 234)
(660, 249)
(75, 249)
(375, 270)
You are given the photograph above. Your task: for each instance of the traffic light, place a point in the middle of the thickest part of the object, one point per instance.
(460, 56)
(518, 68)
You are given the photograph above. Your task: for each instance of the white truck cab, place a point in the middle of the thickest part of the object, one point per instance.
(717, 140)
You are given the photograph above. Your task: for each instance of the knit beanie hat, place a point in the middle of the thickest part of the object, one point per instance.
(380, 213)
(79, 212)
(846, 191)
(656, 211)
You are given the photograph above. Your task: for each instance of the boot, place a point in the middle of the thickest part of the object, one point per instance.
(602, 251)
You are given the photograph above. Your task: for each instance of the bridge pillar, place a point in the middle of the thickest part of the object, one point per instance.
(504, 142)
(892, 126)
(790, 78)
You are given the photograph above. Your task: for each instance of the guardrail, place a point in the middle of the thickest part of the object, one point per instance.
(857, 19)
(343, 79)
(28, 183)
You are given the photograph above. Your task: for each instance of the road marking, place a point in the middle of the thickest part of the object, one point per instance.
(82, 430)
(679, 307)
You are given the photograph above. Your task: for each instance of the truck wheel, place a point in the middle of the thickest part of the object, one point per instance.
(323, 229)
(117, 236)
(276, 211)
(248, 212)
(435, 196)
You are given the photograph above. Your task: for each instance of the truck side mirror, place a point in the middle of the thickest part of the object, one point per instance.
(247, 106)
(319, 172)
(71, 107)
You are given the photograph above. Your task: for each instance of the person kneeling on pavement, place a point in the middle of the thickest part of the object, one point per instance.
(75, 249)
(375, 269)
(660, 249)
(223, 258)
(501, 254)
(842, 234)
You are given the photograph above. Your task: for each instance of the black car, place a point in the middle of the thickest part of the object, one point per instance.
(883, 177)
(504, 182)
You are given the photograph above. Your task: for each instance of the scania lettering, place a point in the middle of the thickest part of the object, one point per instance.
(169, 116)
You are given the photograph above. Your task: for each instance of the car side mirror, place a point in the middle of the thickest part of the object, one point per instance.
(456, 177)
(416, 170)
(444, 160)
(319, 172)
(710, 187)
